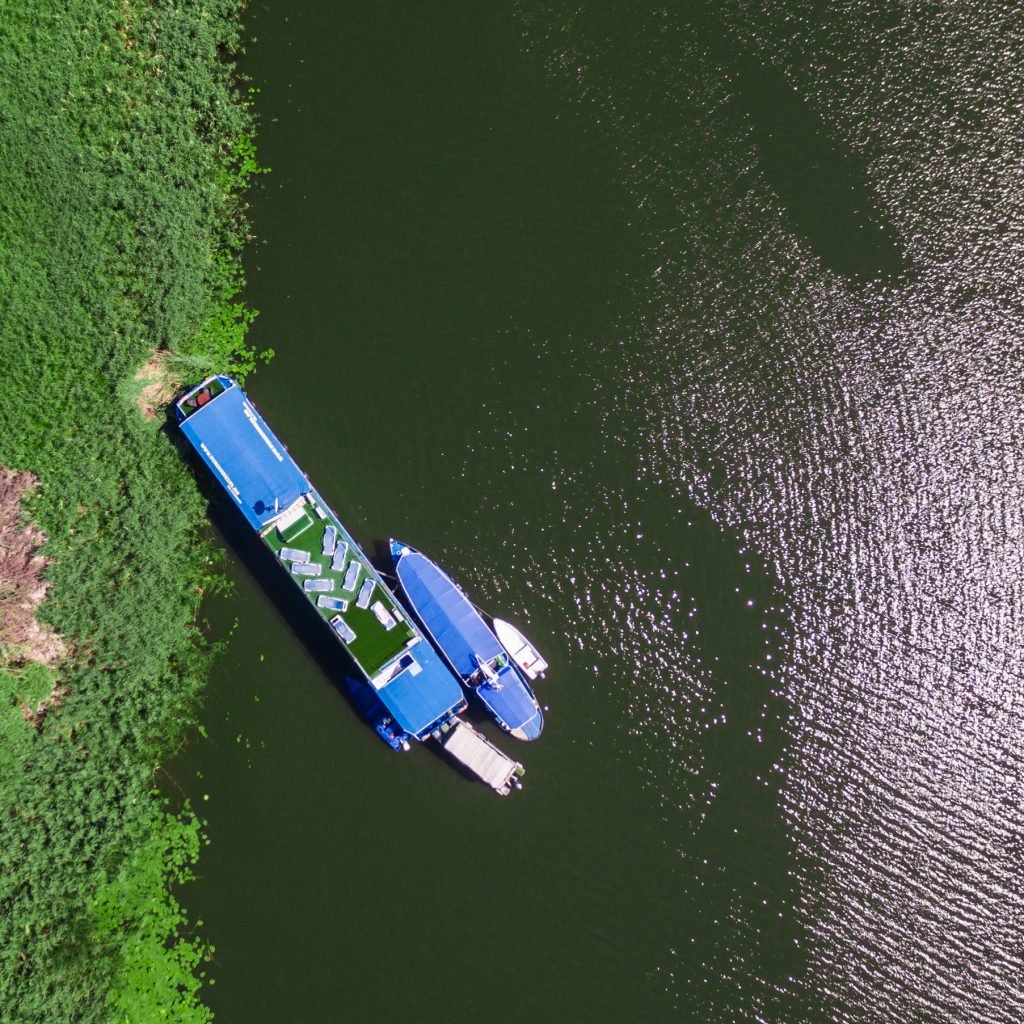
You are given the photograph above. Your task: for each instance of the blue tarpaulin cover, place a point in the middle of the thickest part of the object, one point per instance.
(460, 632)
(455, 624)
(245, 455)
(416, 702)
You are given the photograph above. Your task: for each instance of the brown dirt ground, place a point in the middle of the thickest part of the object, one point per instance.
(21, 585)
(158, 386)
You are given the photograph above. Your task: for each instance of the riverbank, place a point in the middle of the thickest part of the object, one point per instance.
(127, 147)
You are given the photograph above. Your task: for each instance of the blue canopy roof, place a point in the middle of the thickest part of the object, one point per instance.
(255, 468)
(417, 702)
(447, 613)
(462, 635)
(512, 702)
(244, 453)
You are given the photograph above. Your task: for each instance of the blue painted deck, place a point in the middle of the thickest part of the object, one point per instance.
(245, 455)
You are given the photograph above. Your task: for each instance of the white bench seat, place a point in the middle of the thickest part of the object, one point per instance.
(343, 629)
(351, 576)
(318, 586)
(330, 541)
(365, 593)
(338, 561)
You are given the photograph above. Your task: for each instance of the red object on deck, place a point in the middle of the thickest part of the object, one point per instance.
(202, 398)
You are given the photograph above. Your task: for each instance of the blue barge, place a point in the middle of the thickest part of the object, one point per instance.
(410, 694)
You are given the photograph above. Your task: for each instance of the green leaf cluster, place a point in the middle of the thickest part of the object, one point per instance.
(126, 145)
(135, 913)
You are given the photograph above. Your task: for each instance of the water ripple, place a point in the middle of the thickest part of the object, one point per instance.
(862, 435)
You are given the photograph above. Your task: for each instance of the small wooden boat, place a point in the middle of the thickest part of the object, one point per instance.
(520, 650)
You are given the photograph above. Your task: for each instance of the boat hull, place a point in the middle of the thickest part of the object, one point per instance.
(467, 643)
(520, 650)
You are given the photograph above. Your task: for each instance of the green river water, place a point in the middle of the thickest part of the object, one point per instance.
(688, 338)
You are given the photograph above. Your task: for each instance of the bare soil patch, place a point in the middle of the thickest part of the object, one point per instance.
(157, 385)
(22, 588)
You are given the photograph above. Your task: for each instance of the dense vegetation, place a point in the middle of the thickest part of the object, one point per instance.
(125, 149)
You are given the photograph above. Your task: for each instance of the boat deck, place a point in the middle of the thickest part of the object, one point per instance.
(477, 753)
(279, 503)
(373, 646)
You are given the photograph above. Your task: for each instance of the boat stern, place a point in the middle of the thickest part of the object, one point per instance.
(512, 703)
(531, 729)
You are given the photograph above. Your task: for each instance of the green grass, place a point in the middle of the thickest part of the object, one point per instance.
(126, 145)
(374, 646)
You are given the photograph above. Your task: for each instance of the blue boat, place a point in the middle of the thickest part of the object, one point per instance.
(411, 689)
(402, 685)
(467, 643)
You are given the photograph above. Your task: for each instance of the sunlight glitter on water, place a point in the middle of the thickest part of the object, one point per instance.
(861, 431)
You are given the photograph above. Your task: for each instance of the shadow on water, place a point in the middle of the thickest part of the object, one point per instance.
(743, 849)
(743, 874)
(822, 182)
(245, 545)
